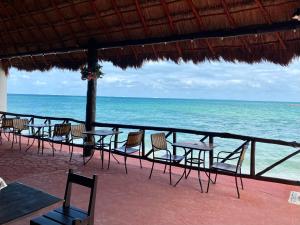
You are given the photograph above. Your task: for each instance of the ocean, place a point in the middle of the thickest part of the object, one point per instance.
(276, 120)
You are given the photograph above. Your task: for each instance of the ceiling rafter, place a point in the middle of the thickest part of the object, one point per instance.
(171, 24)
(100, 22)
(67, 24)
(200, 25)
(20, 34)
(268, 19)
(40, 30)
(146, 28)
(233, 24)
(55, 32)
(125, 32)
(61, 16)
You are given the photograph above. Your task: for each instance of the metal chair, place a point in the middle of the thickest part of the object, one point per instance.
(234, 168)
(77, 134)
(60, 134)
(19, 125)
(6, 127)
(130, 146)
(160, 144)
(70, 215)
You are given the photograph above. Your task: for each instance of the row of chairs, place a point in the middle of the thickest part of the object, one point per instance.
(132, 145)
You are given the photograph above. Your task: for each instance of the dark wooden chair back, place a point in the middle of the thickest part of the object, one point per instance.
(159, 141)
(86, 182)
(77, 131)
(7, 123)
(134, 139)
(20, 124)
(243, 150)
(62, 129)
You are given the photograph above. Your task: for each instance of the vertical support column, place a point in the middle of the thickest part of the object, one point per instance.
(174, 141)
(90, 115)
(3, 91)
(211, 153)
(252, 159)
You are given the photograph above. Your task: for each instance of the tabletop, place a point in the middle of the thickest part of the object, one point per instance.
(194, 145)
(17, 200)
(102, 132)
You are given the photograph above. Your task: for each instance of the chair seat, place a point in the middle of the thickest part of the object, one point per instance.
(224, 167)
(62, 215)
(56, 138)
(174, 158)
(128, 150)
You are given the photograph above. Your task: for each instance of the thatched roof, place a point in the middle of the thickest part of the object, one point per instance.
(55, 33)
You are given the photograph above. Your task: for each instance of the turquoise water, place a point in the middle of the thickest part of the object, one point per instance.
(277, 120)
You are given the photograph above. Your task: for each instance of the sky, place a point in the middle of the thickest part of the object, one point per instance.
(165, 79)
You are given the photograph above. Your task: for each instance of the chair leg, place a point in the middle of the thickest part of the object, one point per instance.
(60, 147)
(71, 152)
(215, 181)
(241, 179)
(199, 177)
(170, 171)
(20, 142)
(108, 164)
(237, 186)
(208, 181)
(12, 143)
(165, 168)
(140, 160)
(125, 160)
(53, 149)
(151, 170)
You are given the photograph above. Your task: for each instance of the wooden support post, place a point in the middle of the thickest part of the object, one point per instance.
(116, 138)
(174, 141)
(211, 153)
(143, 144)
(90, 115)
(252, 159)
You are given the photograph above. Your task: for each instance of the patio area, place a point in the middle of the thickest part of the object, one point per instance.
(134, 199)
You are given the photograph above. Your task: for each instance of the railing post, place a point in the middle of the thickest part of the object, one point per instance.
(211, 153)
(174, 141)
(252, 159)
(143, 144)
(116, 138)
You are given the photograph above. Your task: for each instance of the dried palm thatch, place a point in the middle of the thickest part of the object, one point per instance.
(55, 33)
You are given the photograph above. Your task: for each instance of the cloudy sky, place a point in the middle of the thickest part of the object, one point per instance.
(209, 80)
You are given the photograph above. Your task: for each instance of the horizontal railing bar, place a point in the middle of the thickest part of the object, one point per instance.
(196, 132)
(170, 129)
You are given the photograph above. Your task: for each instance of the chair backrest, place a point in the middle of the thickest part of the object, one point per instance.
(77, 130)
(134, 139)
(7, 123)
(159, 141)
(90, 183)
(243, 150)
(20, 124)
(62, 129)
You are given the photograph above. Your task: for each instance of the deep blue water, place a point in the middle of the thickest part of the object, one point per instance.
(277, 120)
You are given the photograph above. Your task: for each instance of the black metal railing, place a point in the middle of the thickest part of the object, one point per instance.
(206, 135)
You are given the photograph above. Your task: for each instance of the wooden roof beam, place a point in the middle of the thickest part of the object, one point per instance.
(267, 17)
(143, 21)
(171, 24)
(200, 24)
(220, 33)
(125, 32)
(61, 16)
(233, 23)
